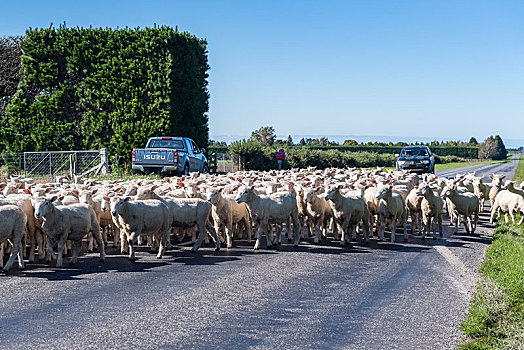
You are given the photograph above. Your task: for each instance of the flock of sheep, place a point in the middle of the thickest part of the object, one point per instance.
(309, 202)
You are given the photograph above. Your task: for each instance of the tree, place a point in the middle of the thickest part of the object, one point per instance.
(502, 153)
(88, 88)
(473, 141)
(350, 143)
(302, 142)
(265, 136)
(289, 141)
(488, 149)
(10, 53)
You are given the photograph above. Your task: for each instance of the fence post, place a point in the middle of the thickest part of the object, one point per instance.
(71, 168)
(104, 161)
(50, 165)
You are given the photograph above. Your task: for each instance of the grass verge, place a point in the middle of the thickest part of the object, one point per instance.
(495, 319)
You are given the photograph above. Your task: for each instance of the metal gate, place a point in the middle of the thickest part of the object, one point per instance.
(228, 162)
(52, 163)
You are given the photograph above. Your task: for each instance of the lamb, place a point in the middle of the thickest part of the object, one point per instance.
(431, 207)
(142, 218)
(391, 206)
(274, 209)
(227, 213)
(71, 222)
(465, 204)
(348, 212)
(510, 186)
(13, 221)
(319, 211)
(508, 202)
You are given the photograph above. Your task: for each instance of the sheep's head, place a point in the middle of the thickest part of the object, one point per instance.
(333, 193)
(145, 193)
(116, 206)
(214, 196)
(309, 195)
(42, 205)
(384, 191)
(422, 190)
(448, 191)
(106, 204)
(87, 197)
(246, 195)
(497, 179)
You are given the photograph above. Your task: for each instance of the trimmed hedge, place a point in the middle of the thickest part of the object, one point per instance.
(457, 152)
(104, 88)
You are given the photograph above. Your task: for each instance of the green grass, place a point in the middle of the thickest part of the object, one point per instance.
(463, 164)
(519, 174)
(495, 319)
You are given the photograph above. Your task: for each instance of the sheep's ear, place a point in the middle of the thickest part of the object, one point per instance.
(106, 199)
(416, 187)
(75, 192)
(18, 185)
(252, 188)
(127, 199)
(199, 182)
(502, 177)
(180, 184)
(61, 197)
(167, 179)
(219, 190)
(26, 191)
(94, 191)
(154, 188)
(339, 187)
(231, 178)
(47, 190)
(53, 199)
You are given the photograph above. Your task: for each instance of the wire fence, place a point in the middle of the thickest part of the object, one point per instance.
(53, 163)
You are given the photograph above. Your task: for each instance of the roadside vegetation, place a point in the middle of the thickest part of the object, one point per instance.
(496, 316)
(454, 165)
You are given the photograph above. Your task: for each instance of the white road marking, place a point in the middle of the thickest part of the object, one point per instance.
(468, 279)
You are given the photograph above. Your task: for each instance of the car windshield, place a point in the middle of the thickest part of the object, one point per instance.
(174, 144)
(407, 152)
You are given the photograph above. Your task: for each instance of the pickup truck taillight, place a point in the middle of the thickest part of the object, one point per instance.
(133, 156)
(175, 157)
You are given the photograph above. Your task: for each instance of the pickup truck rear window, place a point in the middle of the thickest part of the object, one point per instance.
(174, 144)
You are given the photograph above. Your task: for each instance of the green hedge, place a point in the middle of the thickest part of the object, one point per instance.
(457, 152)
(104, 88)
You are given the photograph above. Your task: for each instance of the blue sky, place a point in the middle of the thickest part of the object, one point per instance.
(444, 69)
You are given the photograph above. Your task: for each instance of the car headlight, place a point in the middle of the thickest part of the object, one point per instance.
(425, 161)
(402, 162)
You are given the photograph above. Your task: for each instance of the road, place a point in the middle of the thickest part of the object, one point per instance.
(383, 296)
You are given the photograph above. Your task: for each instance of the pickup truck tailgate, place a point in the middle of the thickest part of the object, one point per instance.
(155, 156)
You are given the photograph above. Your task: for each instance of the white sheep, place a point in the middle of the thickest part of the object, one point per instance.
(510, 203)
(391, 206)
(227, 213)
(431, 207)
(348, 213)
(62, 223)
(144, 217)
(319, 211)
(13, 222)
(266, 210)
(465, 204)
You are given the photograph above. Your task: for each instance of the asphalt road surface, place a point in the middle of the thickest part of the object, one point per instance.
(383, 296)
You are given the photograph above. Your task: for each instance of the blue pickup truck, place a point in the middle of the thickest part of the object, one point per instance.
(167, 154)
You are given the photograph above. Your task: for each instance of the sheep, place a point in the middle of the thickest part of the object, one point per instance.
(414, 205)
(465, 204)
(431, 207)
(391, 206)
(141, 218)
(71, 222)
(227, 213)
(13, 221)
(274, 209)
(187, 213)
(510, 186)
(496, 185)
(348, 211)
(508, 202)
(481, 190)
(319, 211)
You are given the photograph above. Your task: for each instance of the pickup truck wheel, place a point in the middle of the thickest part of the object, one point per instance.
(205, 169)
(186, 169)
